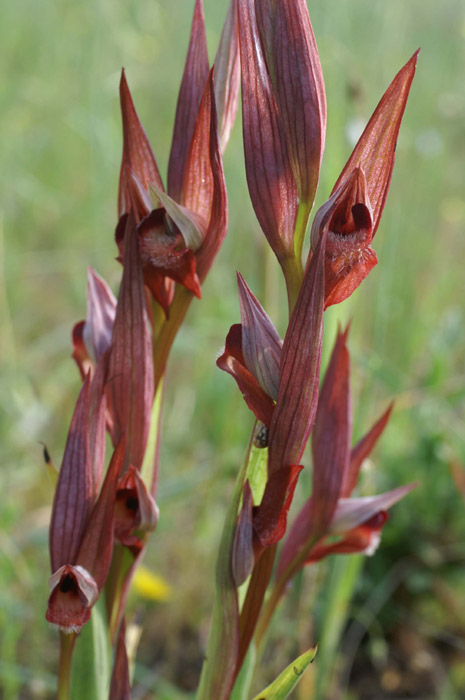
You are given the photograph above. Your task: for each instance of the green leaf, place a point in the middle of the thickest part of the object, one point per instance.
(90, 675)
(338, 591)
(244, 679)
(285, 683)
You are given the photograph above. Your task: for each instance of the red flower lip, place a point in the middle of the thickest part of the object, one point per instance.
(135, 509)
(73, 592)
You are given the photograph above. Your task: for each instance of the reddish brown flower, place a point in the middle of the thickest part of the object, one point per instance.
(81, 529)
(352, 214)
(252, 355)
(284, 114)
(331, 522)
(135, 511)
(92, 337)
(176, 227)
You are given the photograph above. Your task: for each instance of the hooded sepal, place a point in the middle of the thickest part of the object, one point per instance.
(135, 511)
(375, 150)
(261, 344)
(204, 189)
(190, 94)
(130, 386)
(227, 75)
(74, 490)
(232, 361)
(138, 160)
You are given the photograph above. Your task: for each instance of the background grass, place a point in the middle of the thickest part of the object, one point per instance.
(60, 150)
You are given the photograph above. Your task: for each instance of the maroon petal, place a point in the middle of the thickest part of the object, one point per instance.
(80, 353)
(364, 539)
(347, 219)
(300, 368)
(97, 422)
(232, 361)
(130, 376)
(96, 547)
(261, 344)
(135, 508)
(352, 512)
(375, 150)
(73, 592)
(101, 309)
(190, 93)
(331, 437)
(271, 182)
(138, 156)
(270, 517)
(361, 451)
(208, 198)
(73, 494)
(300, 93)
(227, 75)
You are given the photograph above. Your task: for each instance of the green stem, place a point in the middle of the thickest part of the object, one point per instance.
(278, 590)
(301, 224)
(219, 667)
(163, 340)
(293, 274)
(64, 670)
(114, 589)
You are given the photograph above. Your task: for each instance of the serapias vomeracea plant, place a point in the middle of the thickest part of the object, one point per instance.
(284, 123)
(167, 238)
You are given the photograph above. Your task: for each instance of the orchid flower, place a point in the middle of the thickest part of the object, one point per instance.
(81, 528)
(284, 116)
(92, 337)
(180, 229)
(331, 511)
(351, 216)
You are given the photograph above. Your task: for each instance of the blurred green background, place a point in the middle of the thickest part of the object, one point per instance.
(60, 150)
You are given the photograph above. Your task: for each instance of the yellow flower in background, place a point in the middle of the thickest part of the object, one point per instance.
(150, 586)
